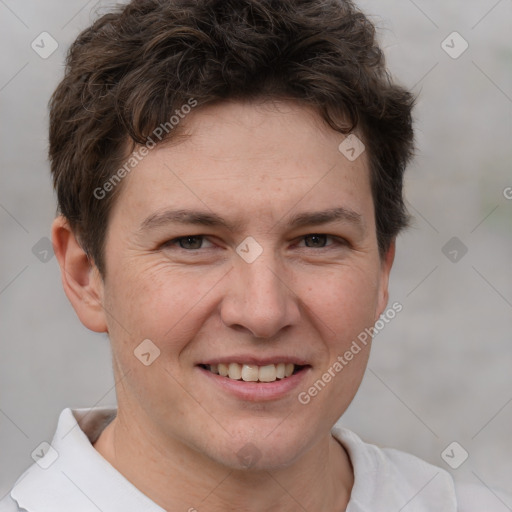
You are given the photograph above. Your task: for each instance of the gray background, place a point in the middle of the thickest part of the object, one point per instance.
(440, 372)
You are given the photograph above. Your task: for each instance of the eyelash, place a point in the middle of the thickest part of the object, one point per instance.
(176, 241)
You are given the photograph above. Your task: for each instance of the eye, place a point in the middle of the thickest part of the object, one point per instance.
(189, 242)
(317, 240)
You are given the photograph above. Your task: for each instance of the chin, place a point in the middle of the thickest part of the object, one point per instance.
(261, 451)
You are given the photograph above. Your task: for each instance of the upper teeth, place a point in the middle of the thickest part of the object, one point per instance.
(252, 372)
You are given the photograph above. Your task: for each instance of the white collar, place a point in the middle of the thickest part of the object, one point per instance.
(81, 479)
(387, 479)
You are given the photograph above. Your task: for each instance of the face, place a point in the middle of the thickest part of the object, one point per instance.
(251, 243)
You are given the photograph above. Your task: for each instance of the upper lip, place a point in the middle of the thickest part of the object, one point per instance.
(257, 361)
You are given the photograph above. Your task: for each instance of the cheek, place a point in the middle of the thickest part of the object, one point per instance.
(345, 302)
(342, 309)
(155, 303)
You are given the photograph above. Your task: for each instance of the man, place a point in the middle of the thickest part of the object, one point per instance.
(229, 177)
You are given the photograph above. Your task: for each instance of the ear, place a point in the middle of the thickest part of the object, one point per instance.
(386, 264)
(81, 279)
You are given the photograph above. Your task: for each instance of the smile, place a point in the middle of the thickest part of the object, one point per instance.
(254, 373)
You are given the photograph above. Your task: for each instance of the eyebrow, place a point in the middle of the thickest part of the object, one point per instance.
(326, 216)
(202, 218)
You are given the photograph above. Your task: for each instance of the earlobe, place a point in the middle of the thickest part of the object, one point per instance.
(386, 265)
(81, 280)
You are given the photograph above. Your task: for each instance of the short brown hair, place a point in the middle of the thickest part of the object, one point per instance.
(128, 72)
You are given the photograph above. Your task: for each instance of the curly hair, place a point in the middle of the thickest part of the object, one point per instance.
(128, 72)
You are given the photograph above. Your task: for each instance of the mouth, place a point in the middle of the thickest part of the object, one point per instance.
(248, 372)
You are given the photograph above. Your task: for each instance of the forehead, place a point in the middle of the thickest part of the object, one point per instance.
(247, 159)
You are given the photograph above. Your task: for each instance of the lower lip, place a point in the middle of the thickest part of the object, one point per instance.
(257, 391)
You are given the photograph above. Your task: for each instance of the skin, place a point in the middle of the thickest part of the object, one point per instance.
(257, 166)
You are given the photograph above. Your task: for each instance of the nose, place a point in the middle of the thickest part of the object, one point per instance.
(258, 299)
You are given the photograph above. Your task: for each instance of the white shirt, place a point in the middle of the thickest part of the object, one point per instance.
(73, 477)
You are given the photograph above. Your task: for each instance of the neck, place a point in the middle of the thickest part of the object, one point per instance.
(177, 477)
